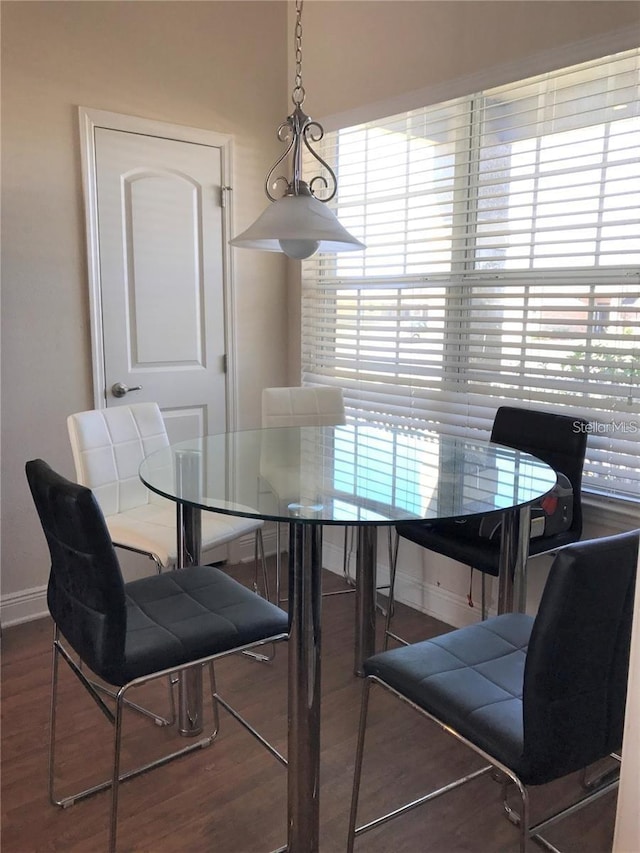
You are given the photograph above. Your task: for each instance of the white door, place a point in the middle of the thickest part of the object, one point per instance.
(159, 239)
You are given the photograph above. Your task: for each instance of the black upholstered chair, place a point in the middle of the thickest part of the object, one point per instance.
(128, 634)
(561, 442)
(537, 699)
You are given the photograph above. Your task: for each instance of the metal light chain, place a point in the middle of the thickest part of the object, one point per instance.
(298, 94)
(299, 131)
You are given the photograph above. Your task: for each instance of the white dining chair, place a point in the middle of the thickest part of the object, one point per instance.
(319, 405)
(108, 446)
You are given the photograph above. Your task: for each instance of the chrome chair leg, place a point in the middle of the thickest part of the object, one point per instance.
(259, 553)
(347, 551)
(259, 560)
(279, 598)
(392, 556)
(53, 716)
(393, 559)
(346, 561)
(115, 777)
(116, 719)
(158, 719)
(140, 709)
(362, 729)
(393, 565)
(262, 658)
(354, 830)
(524, 815)
(484, 596)
(607, 782)
(214, 702)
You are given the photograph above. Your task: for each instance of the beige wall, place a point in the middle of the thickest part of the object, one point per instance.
(359, 53)
(216, 65)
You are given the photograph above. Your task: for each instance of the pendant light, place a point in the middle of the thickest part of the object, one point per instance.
(298, 222)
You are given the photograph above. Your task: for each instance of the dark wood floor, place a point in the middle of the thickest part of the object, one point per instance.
(231, 798)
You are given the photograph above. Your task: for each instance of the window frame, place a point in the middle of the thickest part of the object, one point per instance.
(322, 276)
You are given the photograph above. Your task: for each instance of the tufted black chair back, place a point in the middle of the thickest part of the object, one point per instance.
(559, 440)
(85, 595)
(578, 657)
(539, 698)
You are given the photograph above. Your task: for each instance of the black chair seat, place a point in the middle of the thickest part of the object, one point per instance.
(472, 677)
(180, 616)
(447, 538)
(558, 440)
(539, 698)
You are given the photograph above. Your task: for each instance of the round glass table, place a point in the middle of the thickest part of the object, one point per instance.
(362, 476)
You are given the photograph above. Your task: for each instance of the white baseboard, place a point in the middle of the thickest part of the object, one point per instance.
(243, 549)
(23, 606)
(435, 601)
(427, 598)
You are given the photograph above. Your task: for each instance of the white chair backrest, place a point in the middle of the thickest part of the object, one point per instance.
(321, 405)
(108, 446)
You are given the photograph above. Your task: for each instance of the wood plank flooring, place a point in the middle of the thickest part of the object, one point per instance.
(231, 798)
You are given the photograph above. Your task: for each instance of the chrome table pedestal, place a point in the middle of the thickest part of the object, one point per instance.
(353, 475)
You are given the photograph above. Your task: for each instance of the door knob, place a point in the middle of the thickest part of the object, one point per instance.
(119, 389)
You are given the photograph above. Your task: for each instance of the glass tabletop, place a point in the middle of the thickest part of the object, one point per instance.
(345, 475)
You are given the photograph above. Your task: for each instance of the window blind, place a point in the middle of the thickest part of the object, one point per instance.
(502, 263)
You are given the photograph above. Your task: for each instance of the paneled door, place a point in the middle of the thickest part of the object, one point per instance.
(159, 263)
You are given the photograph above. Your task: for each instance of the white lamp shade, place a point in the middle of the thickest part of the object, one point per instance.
(299, 225)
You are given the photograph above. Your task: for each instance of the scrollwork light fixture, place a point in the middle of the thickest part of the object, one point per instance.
(298, 223)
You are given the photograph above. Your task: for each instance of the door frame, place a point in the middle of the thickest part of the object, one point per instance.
(90, 119)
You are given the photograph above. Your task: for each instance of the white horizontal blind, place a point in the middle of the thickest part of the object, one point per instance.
(502, 263)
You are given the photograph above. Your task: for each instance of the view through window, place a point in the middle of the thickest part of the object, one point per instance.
(502, 264)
